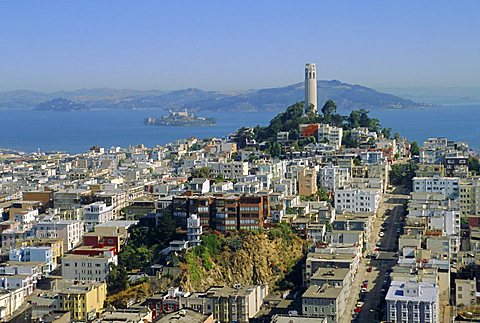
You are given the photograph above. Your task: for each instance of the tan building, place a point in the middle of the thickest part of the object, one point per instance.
(83, 301)
(465, 292)
(469, 197)
(236, 304)
(307, 182)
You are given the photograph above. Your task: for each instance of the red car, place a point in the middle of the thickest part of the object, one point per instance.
(369, 269)
(357, 310)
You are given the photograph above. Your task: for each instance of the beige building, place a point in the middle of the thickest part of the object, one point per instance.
(307, 182)
(465, 292)
(469, 197)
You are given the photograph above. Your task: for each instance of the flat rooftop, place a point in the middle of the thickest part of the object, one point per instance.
(325, 291)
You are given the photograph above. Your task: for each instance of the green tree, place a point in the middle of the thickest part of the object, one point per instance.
(354, 119)
(117, 279)
(201, 172)
(329, 108)
(414, 149)
(323, 195)
(474, 165)
(386, 132)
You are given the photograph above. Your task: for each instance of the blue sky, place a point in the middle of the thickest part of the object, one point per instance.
(236, 45)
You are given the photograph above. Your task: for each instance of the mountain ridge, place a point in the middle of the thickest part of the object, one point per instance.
(347, 97)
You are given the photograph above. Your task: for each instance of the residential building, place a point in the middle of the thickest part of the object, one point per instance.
(88, 268)
(330, 134)
(97, 213)
(447, 185)
(83, 300)
(465, 292)
(412, 302)
(70, 231)
(326, 302)
(354, 200)
(333, 177)
(307, 181)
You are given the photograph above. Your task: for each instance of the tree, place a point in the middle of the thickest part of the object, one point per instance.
(414, 149)
(386, 132)
(117, 279)
(323, 195)
(474, 165)
(201, 172)
(354, 119)
(329, 108)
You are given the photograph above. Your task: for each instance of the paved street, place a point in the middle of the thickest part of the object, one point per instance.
(376, 277)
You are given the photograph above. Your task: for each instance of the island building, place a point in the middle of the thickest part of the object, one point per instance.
(311, 86)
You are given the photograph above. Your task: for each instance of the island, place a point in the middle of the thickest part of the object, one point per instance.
(181, 119)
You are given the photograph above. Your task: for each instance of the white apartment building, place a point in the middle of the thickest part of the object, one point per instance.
(332, 135)
(10, 301)
(355, 200)
(446, 185)
(97, 213)
(332, 177)
(412, 302)
(88, 268)
(230, 170)
(70, 231)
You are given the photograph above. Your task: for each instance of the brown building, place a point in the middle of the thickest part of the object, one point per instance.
(223, 212)
(307, 182)
(44, 197)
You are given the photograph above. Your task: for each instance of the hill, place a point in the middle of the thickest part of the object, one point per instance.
(242, 258)
(348, 97)
(60, 104)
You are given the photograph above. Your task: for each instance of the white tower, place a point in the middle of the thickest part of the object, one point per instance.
(310, 86)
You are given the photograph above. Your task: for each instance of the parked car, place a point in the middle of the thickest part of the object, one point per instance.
(381, 234)
(360, 304)
(369, 269)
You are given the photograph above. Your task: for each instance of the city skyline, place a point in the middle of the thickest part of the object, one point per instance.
(52, 46)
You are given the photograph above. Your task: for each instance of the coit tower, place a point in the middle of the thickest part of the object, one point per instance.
(310, 86)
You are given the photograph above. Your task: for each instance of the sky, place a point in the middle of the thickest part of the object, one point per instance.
(237, 45)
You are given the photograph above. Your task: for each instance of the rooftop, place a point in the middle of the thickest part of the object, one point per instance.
(325, 291)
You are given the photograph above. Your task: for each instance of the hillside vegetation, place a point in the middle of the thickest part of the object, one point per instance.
(242, 257)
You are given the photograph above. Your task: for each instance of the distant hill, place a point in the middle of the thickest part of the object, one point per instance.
(347, 97)
(60, 104)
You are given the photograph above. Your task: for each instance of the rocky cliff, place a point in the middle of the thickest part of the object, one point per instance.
(241, 257)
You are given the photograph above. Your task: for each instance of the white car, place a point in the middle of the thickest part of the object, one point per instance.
(360, 304)
(381, 234)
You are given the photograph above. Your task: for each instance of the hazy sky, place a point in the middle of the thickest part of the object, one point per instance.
(235, 45)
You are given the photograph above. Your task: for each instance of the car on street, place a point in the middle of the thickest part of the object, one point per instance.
(369, 269)
(363, 290)
(379, 244)
(357, 310)
(399, 230)
(360, 304)
(381, 234)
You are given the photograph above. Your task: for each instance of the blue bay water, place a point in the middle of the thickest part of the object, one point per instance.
(74, 132)
(456, 122)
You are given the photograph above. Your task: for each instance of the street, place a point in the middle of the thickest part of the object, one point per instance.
(377, 277)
